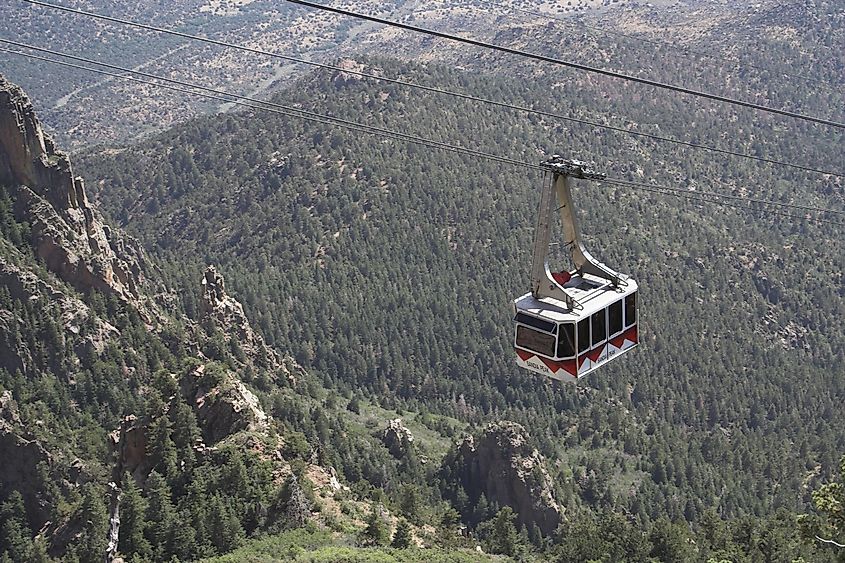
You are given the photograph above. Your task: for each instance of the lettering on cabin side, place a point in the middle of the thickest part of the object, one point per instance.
(537, 365)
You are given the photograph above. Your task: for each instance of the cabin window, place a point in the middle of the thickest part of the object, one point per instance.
(540, 324)
(584, 335)
(614, 317)
(630, 309)
(599, 327)
(566, 341)
(535, 341)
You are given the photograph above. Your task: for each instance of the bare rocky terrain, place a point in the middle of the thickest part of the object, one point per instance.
(84, 109)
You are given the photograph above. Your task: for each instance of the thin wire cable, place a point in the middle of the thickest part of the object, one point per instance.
(570, 64)
(330, 120)
(681, 51)
(290, 111)
(799, 207)
(684, 194)
(436, 90)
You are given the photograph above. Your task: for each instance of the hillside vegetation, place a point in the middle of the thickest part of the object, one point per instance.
(389, 268)
(350, 392)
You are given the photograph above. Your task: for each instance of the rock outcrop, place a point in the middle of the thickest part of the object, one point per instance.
(67, 233)
(501, 465)
(223, 404)
(397, 438)
(220, 311)
(24, 285)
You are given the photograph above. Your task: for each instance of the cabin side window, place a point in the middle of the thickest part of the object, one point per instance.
(584, 335)
(630, 309)
(536, 341)
(614, 318)
(566, 341)
(599, 319)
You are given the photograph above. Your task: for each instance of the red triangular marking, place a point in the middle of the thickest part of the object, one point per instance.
(617, 341)
(594, 354)
(581, 360)
(631, 334)
(570, 367)
(552, 365)
(523, 355)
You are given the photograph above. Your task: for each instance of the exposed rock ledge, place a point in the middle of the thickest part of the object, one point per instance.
(502, 465)
(67, 233)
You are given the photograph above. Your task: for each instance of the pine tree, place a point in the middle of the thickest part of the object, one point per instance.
(161, 448)
(225, 528)
(161, 516)
(402, 537)
(297, 506)
(15, 542)
(133, 509)
(409, 503)
(501, 534)
(92, 544)
(377, 531)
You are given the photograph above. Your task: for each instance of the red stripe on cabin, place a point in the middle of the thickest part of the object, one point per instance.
(523, 355)
(630, 334)
(595, 354)
(569, 366)
(551, 364)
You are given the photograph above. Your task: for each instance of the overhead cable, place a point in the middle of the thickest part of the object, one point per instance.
(289, 111)
(799, 207)
(680, 50)
(561, 62)
(440, 91)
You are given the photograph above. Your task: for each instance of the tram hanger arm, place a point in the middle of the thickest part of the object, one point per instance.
(543, 284)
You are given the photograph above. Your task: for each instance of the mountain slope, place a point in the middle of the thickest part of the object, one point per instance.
(389, 267)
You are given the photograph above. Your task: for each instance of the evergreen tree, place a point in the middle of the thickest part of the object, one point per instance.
(161, 516)
(402, 536)
(225, 528)
(133, 512)
(15, 536)
(161, 448)
(377, 531)
(92, 544)
(410, 504)
(501, 535)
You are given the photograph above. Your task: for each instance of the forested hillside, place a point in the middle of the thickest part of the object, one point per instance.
(389, 268)
(350, 390)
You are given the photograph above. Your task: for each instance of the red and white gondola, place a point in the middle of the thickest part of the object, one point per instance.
(571, 322)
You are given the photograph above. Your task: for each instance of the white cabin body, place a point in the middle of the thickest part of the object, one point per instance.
(567, 344)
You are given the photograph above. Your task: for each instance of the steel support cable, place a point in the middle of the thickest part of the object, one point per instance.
(561, 62)
(681, 51)
(435, 90)
(329, 120)
(809, 208)
(685, 194)
(291, 111)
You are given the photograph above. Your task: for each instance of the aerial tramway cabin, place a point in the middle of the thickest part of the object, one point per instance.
(571, 322)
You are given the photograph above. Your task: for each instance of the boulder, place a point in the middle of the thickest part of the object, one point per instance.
(397, 438)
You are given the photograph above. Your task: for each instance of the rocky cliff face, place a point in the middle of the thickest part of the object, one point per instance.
(501, 465)
(219, 311)
(67, 340)
(67, 233)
